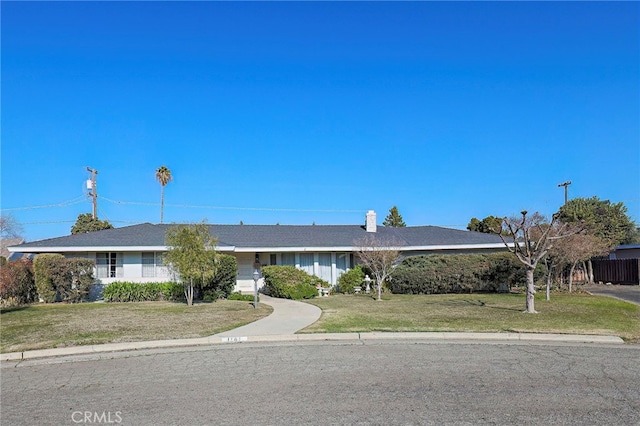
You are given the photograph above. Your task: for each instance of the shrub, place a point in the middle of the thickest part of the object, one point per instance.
(212, 295)
(17, 285)
(456, 273)
(42, 266)
(224, 280)
(74, 279)
(244, 297)
(288, 282)
(125, 291)
(352, 278)
(58, 278)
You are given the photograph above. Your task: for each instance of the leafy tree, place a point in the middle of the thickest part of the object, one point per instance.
(379, 256)
(602, 219)
(532, 238)
(10, 227)
(474, 225)
(394, 219)
(86, 223)
(488, 225)
(191, 255)
(163, 175)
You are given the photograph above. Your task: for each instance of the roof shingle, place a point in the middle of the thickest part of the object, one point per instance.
(289, 236)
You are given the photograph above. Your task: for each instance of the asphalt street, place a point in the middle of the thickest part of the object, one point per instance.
(630, 293)
(317, 383)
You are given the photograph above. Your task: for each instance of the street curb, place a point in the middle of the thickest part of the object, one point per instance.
(218, 340)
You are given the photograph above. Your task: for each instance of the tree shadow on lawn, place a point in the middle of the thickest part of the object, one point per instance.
(13, 309)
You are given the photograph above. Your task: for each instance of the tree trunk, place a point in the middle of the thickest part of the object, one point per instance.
(188, 292)
(549, 272)
(161, 203)
(590, 271)
(549, 285)
(573, 267)
(379, 289)
(531, 291)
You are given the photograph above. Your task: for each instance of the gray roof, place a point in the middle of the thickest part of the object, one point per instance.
(8, 242)
(282, 236)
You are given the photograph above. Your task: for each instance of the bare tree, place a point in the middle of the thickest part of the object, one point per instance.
(10, 227)
(533, 237)
(575, 249)
(379, 256)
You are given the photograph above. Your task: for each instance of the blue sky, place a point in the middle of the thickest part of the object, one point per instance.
(302, 112)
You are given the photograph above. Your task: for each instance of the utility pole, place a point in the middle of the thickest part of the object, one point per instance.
(93, 191)
(566, 190)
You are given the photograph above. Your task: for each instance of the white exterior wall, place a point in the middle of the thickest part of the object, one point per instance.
(246, 262)
(244, 283)
(132, 270)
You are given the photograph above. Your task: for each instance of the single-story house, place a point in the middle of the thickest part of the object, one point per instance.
(135, 253)
(627, 251)
(5, 243)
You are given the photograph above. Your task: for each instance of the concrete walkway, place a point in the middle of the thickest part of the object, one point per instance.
(288, 316)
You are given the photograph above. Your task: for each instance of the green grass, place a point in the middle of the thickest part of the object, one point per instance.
(569, 314)
(62, 325)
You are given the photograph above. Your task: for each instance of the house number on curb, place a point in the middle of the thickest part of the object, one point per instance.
(234, 339)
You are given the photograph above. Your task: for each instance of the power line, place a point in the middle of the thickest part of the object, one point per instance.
(63, 204)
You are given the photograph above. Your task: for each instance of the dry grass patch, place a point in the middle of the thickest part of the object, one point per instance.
(569, 314)
(60, 325)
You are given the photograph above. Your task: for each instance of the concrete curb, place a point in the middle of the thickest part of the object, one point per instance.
(218, 340)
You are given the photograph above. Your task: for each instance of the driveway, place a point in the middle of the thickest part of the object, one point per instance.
(630, 293)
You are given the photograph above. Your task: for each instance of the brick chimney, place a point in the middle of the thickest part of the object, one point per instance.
(370, 223)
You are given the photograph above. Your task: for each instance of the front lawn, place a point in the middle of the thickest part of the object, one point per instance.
(60, 325)
(564, 313)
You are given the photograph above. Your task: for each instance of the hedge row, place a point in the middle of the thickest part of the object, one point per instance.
(124, 291)
(242, 297)
(457, 273)
(17, 286)
(59, 278)
(288, 282)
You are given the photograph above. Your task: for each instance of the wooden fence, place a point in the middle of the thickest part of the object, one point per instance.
(618, 271)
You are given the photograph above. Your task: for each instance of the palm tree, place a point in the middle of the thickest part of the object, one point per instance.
(163, 175)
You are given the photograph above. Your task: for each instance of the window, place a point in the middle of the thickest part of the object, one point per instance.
(324, 266)
(109, 265)
(341, 264)
(148, 264)
(288, 259)
(306, 262)
(153, 265)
